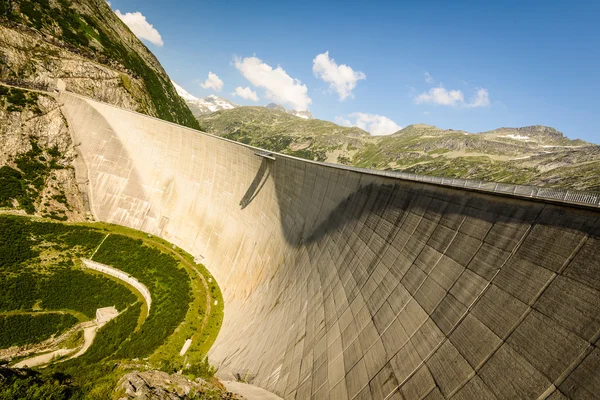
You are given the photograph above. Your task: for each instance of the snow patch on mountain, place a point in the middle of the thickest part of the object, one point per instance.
(207, 105)
(302, 114)
(183, 93)
(517, 137)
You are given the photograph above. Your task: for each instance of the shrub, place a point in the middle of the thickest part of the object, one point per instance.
(20, 329)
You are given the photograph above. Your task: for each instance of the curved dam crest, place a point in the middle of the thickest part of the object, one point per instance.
(344, 284)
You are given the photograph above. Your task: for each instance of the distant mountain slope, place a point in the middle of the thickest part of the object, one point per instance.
(302, 114)
(536, 155)
(206, 105)
(212, 103)
(277, 130)
(88, 47)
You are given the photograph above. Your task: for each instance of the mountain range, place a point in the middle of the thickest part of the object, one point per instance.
(206, 105)
(536, 155)
(212, 103)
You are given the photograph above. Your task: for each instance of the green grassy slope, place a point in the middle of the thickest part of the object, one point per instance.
(536, 155)
(40, 272)
(278, 131)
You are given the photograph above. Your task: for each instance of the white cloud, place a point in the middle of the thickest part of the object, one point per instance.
(428, 78)
(377, 125)
(343, 121)
(279, 86)
(341, 78)
(245, 93)
(444, 97)
(213, 82)
(440, 95)
(482, 99)
(136, 21)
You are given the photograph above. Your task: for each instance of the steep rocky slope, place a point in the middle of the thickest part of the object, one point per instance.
(535, 155)
(89, 49)
(36, 155)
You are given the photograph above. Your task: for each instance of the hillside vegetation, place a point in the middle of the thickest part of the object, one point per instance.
(279, 131)
(19, 329)
(534, 155)
(88, 47)
(44, 290)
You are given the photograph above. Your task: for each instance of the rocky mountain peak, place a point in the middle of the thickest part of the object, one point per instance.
(206, 105)
(302, 114)
(276, 107)
(540, 130)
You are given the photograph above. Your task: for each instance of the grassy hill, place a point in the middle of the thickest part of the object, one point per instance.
(536, 155)
(279, 131)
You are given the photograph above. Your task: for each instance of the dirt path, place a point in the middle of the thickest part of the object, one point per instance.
(41, 359)
(89, 333)
(100, 245)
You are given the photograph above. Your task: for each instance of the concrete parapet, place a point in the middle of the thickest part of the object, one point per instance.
(341, 283)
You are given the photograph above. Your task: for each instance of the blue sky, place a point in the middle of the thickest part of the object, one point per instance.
(489, 64)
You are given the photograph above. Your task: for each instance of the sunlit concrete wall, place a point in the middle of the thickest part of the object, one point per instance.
(345, 284)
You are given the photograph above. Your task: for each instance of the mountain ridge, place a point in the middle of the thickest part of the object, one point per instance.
(213, 103)
(206, 105)
(537, 154)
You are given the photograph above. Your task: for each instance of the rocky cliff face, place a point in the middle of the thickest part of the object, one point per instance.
(36, 156)
(88, 47)
(162, 386)
(27, 60)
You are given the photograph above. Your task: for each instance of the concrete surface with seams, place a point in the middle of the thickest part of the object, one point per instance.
(343, 283)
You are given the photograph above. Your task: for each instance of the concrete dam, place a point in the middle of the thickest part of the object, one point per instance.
(342, 283)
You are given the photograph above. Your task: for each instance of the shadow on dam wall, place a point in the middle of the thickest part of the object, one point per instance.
(343, 284)
(257, 183)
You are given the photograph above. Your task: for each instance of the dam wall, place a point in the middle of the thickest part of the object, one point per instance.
(341, 283)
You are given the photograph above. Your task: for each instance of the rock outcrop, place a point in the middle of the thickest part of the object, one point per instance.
(35, 143)
(158, 385)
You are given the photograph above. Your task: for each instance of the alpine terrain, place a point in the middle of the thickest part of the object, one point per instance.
(533, 155)
(207, 105)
